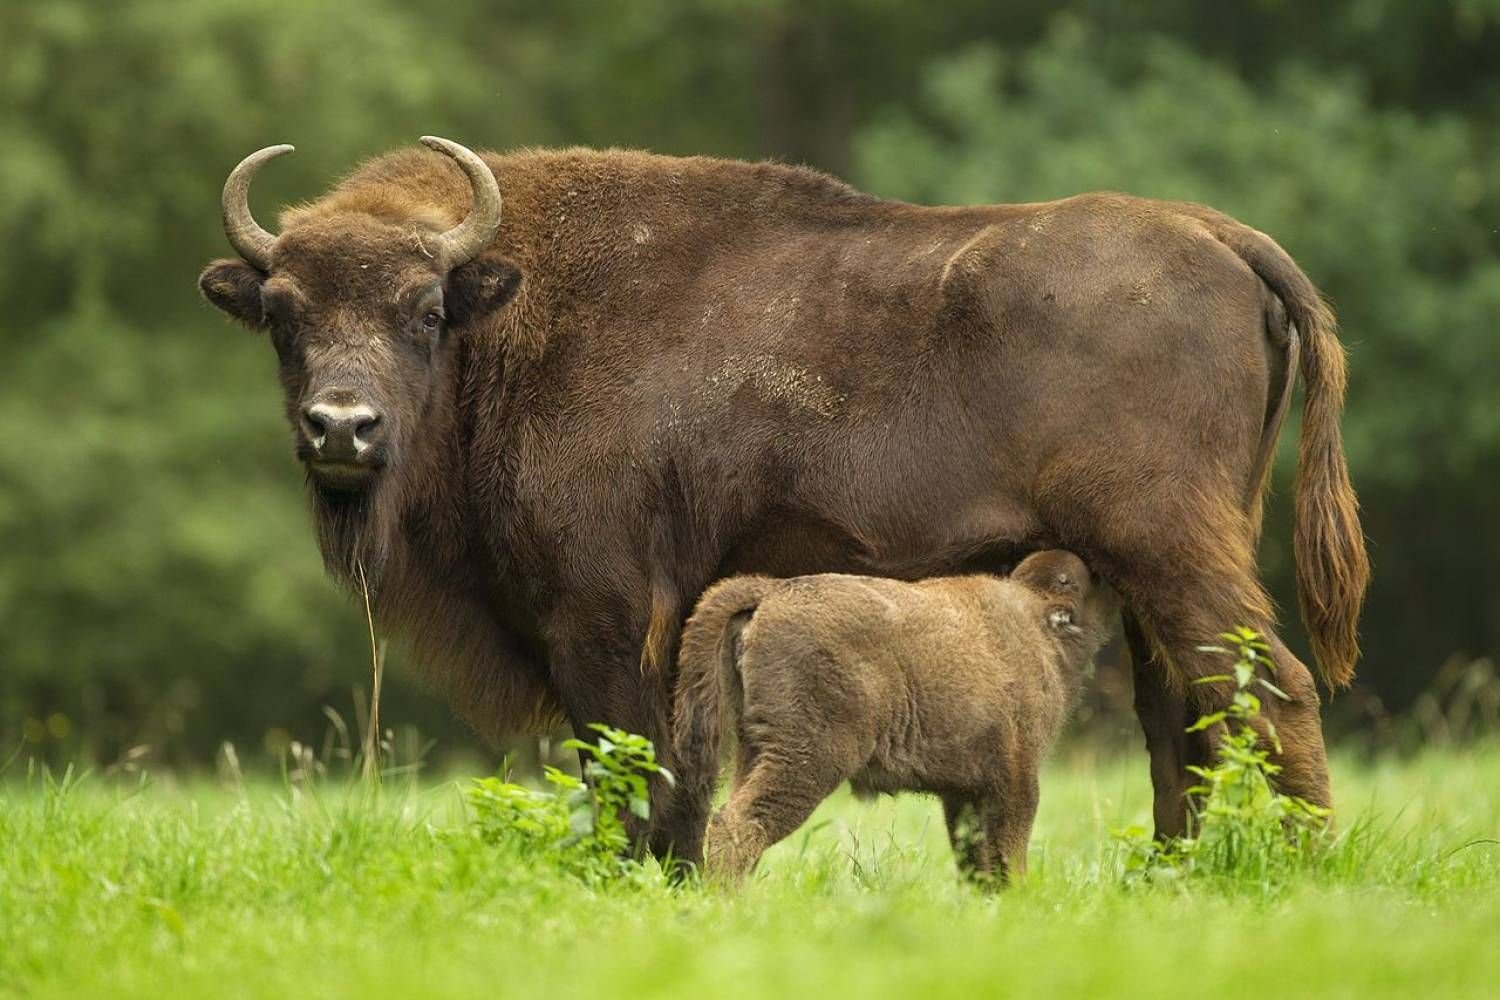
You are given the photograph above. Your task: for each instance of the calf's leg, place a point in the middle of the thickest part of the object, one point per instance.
(990, 831)
(1009, 818)
(767, 805)
(969, 835)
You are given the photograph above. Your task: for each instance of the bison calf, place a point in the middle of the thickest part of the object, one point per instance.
(954, 685)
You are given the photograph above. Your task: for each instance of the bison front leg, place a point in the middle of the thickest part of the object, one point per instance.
(678, 820)
(600, 679)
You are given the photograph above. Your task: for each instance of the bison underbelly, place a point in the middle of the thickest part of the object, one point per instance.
(902, 544)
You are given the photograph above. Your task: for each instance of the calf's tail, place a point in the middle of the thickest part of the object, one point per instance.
(708, 680)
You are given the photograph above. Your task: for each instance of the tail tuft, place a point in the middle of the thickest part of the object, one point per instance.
(1333, 568)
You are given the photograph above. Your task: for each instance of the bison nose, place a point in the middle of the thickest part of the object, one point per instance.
(340, 433)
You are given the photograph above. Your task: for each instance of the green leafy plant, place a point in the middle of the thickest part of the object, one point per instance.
(1241, 829)
(616, 776)
(582, 825)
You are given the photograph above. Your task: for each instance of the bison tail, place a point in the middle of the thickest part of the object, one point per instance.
(1332, 566)
(1329, 546)
(708, 682)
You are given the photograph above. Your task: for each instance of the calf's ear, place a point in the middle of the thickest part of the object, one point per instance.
(480, 287)
(234, 286)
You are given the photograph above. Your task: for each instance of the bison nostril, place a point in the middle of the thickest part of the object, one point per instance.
(364, 425)
(313, 426)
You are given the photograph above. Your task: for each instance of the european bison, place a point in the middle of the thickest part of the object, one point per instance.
(952, 685)
(540, 439)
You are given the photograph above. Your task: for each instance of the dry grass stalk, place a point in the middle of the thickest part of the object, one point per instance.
(372, 727)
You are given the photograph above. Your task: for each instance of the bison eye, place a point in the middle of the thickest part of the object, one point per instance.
(432, 322)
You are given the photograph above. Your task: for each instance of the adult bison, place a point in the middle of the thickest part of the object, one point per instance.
(540, 437)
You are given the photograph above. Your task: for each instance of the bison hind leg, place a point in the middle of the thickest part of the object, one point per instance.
(1182, 555)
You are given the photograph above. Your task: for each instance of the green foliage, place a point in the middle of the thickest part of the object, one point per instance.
(619, 764)
(1251, 656)
(1242, 832)
(581, 826)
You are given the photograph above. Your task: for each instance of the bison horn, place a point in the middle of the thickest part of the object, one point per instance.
(249, 240)
(468, 239)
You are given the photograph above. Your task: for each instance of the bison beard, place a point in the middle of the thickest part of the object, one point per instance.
(658, 372)
(354, 532)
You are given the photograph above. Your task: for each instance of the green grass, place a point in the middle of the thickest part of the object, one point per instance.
(190, 890)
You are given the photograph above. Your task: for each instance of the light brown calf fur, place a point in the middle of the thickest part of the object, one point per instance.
(953, 685)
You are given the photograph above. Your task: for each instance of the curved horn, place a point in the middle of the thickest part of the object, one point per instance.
(468, 239)
(249, 240)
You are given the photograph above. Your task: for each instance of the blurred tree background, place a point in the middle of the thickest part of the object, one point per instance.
(158, 580)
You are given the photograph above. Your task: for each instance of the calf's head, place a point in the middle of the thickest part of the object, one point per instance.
(1079, 605)
(358, 295)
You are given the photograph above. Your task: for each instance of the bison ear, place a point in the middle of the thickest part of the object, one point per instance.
(234, 287)
(480, 287)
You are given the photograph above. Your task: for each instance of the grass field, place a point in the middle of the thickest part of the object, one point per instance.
(193, 890)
